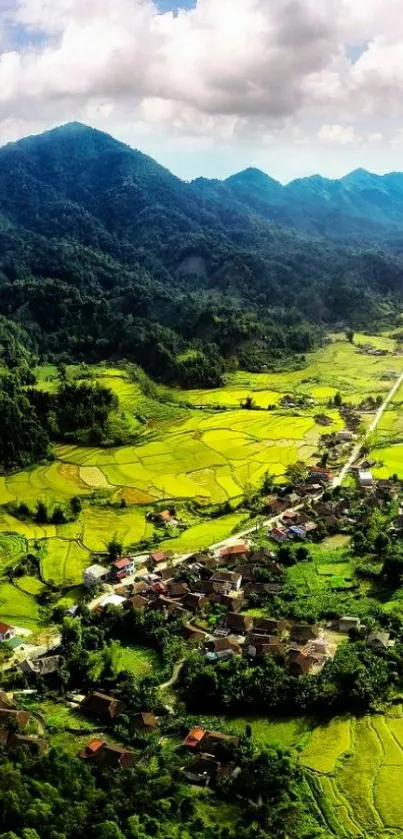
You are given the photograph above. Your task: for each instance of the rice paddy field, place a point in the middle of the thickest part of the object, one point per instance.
(184, 452)
(354, 770)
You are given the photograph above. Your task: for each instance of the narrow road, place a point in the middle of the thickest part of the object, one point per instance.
(374, 424)
(175, 675)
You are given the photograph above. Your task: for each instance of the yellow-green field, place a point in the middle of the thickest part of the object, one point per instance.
(337, 367)
(184, 453)
(356, 767)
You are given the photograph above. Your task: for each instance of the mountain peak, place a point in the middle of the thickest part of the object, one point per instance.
(359, 177)
(253, 177)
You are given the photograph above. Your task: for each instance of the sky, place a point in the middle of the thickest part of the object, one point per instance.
(209, 87)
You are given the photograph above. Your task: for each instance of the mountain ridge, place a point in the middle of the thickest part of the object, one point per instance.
(106, 254)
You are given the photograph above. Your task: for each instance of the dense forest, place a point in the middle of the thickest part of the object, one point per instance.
(105, 254)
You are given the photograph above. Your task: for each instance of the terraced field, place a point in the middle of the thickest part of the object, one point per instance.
(184, 453)
(355, 770)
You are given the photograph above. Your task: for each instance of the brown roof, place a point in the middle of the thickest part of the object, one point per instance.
(221, 644)
(269, 626)
(177, 589)
(217, 744)
(239, 623)
(5, 701)
(234, 550)
(102, 705)
(303, 632)
(8, 715)
(136, 602)
(193, 601)
(192, 633)
(299, 663)
(115, 756)
(145, 720)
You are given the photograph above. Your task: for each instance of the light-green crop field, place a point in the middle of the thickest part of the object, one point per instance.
(358, 764)
(339, 366)
(203, 535)
(18, 608)
(185, 453)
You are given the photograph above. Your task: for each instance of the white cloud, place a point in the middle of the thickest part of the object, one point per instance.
(341, 134)
(267, 72)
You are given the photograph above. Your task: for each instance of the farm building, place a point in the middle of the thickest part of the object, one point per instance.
(6, 632)
(365, 479)
(95, 575)
(123, 567)
(101, 705)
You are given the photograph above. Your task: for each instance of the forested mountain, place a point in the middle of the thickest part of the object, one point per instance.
(104, 253)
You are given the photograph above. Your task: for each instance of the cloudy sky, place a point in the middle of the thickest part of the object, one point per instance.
(209, 87)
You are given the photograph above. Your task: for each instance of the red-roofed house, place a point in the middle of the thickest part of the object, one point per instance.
(234, 550)
(194, 737)
(158, 557)
(91, 748)
(279, 535)
(123, 567)
(6, 632)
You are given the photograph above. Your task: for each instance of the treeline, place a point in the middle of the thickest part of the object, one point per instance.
(358, 679)
(31, 418)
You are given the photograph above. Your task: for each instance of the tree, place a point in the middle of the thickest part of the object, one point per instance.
(338, 399)
(350, 336)
(115, 548)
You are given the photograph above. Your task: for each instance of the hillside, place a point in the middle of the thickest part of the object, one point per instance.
(106, 254)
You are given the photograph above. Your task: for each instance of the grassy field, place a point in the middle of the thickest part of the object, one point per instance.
(18, 608)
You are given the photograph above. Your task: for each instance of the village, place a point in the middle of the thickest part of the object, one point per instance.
(205, 597)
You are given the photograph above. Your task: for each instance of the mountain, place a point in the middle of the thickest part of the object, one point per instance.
(105, 254)
(359, 207)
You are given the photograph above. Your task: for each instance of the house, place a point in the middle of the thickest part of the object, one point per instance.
(42, 667)
(177, 589)
(229, 580)
(234, 553)
(268, 626)
(123, 567)
(192, 634)
(194, 602)
(103, 706)
(379, 641)
(105, 754)
(346, 623)
(279, 535)
(95, 575)
(15, 717)
(136, 602)
(289, 517)
(297, 531)
(166, 575)
(304, 632)
(5, 701)
(275, 506)
(258, 646)
(115, 600)
(218, 745)
(240, 624)
(224, 645)
(202, 770)
(195, 735)
(145, 721)
(233, 602)
(299, 663)
(158, 557)
(6, 632)
(310, 527)
(163, 518)
(365, 479)
(168, 606)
